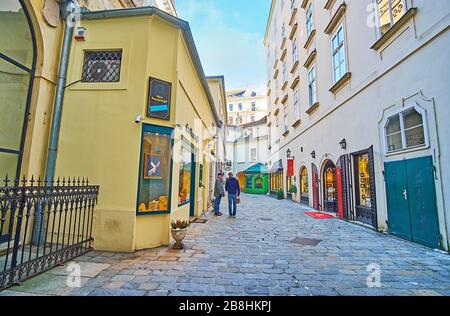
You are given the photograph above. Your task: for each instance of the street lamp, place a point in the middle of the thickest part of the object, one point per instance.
(343, 144)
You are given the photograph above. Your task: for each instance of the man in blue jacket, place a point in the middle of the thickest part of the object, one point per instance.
(234, 191)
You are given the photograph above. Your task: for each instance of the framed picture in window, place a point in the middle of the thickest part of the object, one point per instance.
(153, 166)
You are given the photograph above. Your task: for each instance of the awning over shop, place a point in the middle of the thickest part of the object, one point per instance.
(258, 168)
(277, 166)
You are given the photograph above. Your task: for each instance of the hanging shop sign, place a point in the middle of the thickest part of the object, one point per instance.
(159, 99)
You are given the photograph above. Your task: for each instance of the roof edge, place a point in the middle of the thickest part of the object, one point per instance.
(183, 25)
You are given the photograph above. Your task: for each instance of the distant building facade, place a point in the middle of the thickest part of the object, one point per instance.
(245, 106)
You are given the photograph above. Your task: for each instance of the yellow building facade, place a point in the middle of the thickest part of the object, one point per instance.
(139, 119)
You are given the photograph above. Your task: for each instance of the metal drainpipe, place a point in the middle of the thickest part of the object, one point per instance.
(66, 8)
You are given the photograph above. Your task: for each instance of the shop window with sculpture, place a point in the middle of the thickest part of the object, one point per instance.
(184, 184)
(304, 186)
(155, 175)
(330, 187)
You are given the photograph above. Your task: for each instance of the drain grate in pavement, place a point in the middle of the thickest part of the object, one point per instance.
(306, 241)
(265, 219)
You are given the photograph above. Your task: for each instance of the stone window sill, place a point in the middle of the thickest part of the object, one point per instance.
(341, 82)
(313, 108)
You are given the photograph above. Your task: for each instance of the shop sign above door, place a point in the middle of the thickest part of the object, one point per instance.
(159, 99)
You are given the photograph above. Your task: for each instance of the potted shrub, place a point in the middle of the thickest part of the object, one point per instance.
(280, 195)
(179, 231)
(292, 191)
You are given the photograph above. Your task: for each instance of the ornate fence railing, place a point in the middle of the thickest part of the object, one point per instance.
(43, 224)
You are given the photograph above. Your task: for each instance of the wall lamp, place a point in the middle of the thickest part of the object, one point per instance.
(288, 153)
(313, 154)
(343, 144)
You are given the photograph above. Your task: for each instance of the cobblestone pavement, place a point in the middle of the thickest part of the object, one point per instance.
(253, 255)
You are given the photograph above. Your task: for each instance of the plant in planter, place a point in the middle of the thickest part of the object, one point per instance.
(179, 232)
(293, 190)
(280, 195)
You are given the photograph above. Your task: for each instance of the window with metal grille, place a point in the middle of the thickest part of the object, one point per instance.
(102, 66)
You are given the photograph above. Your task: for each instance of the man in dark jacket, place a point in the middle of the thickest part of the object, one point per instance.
(219, 193)
(234, 191)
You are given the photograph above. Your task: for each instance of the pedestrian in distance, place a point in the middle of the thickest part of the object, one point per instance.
(219, 193)
(234, 193)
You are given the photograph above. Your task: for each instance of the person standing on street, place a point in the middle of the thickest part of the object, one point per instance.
(219, 193)
(234, 191)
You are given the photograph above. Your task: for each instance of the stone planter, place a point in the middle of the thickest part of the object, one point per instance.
(179, 235)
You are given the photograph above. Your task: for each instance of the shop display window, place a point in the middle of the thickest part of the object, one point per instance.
(304, 188)
(364, 181)
(155, 170)
(184, 185)
(259, 183)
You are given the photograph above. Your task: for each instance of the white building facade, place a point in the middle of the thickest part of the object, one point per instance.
(358, 104)
(245, 106)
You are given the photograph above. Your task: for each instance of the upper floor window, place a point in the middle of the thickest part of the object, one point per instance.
(253, 154)
(253, 106)
(292, 6)
(294, 51)
(284, 72)
(238, 120)
(252, 118)
(102, 66)
(312, 86)
(309, 19)
(240, 106)
(296, 105)
(286, 119)
(339, 64)
(230, 107)
(230, 120)
(283, 31)
(405, 130)
(389, 12)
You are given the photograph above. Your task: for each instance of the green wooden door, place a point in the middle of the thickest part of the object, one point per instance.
(422, 201)
(397, 203)
(411, 197)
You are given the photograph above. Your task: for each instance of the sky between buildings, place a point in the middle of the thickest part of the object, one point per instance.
(229, 36)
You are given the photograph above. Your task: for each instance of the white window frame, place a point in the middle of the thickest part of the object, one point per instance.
(297, 104)
(231, 107)
(310, 84)
(253, 158)
(284, 71)
(309, 19)
(400, 112)
(391, 16)
(294, 51)
(283, 30)
(286, 118)
(292, 6)
(336, 51)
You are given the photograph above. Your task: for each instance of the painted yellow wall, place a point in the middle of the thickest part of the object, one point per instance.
(99, 137)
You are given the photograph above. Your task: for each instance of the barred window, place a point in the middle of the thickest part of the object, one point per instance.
(102, 66)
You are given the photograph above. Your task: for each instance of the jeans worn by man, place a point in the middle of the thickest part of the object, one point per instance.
(234, 191)
(232, 204)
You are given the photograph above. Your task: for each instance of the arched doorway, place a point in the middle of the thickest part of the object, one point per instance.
(17, 68)
(329, 187)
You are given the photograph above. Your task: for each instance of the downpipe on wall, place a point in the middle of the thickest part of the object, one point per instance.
(68, 8)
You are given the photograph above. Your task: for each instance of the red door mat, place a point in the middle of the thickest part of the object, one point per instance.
(318, 215)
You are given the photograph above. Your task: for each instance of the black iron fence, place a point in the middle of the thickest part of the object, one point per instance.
(43, 224)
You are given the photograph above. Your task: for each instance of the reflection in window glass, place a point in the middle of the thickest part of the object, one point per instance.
(405, 130)
(389, 12)
(15, 39)
(13, 95)
(8, 166)
(155, 170)
(184, 185)
(259, 183)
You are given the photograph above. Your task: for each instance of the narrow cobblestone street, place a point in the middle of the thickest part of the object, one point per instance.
(253, 255)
